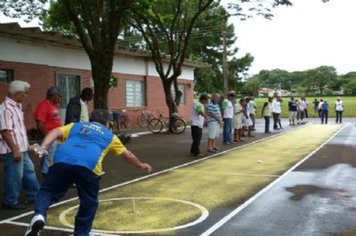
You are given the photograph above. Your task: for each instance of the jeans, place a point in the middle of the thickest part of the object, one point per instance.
(267, 121)
(227, 132)
(16, 174)
(275, 120)
(324, 116)
(338, 116)
(196, 136)
(47, 160)
(60, 176)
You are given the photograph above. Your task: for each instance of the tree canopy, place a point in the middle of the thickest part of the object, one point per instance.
(322, 80)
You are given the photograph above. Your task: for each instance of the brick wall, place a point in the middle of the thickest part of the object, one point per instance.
(41, 77)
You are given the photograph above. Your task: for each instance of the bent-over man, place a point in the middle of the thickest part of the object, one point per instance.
(79, 160)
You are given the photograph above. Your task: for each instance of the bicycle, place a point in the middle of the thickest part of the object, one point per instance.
(144, 118)
(156, 125)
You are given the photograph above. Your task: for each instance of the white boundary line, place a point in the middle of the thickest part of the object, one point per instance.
(228, 217)
(5, 221)
(203, 216)
(226, 173)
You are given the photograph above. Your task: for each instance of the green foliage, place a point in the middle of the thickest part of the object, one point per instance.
(251, 87)
(350, 88)
(302, 91)
(322, 76)
(207, 46)
(26, 10)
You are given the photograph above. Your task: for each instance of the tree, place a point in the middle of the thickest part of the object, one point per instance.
(207, 46)
(321, 77)
(167, 27)
(97, 23)
(252, 86)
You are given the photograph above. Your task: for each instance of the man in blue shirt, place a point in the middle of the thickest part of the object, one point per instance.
(79, 160)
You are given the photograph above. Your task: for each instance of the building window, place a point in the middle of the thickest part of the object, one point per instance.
(6, 76)
(181, 87)
(70, 87)
(135, 93)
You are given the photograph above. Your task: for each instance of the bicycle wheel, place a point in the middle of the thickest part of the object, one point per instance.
(179, 126)
(142, 120)
(155, 125)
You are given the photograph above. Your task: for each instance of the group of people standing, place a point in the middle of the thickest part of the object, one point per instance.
(321, 108)
(235, 117)
(14, 145)
(298, 111)
(85, 140)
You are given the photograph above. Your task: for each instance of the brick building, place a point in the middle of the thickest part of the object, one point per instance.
(46, 59)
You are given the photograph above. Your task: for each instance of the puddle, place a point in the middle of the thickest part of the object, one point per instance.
(300, 191)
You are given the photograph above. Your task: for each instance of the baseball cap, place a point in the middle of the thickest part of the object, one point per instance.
(53, 91)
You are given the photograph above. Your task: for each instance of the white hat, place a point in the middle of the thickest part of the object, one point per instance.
(18, 86)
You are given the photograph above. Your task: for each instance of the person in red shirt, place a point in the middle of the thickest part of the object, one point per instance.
(47, 116)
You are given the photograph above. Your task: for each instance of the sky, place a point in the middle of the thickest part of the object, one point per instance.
(304, 36)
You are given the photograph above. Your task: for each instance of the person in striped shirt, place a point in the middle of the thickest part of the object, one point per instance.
(18, 167)
(214, 122)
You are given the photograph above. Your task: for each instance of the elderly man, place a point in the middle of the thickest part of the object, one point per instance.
(47, 116)
(18, 167)
(79, 160)
(214, 122)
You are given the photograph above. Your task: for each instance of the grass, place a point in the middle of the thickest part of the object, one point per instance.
(349, 106)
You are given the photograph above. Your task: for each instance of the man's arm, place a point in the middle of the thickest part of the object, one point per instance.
(51, 137)
(132, 159)
(6, 135)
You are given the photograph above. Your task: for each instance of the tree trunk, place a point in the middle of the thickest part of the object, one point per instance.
(172, 106)
(101, 72)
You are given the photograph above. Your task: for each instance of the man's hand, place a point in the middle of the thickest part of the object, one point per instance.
(17, 155)
(146, 167)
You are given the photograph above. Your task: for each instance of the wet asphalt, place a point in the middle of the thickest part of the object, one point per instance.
(317, 198)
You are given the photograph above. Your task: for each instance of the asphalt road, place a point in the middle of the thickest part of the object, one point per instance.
(318, 198)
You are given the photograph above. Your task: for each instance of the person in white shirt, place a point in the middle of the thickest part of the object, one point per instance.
(266, 113)
(238, 123)
(339, 108)
(228, 114)
(198, 118)
(276, 111)
(301, 112)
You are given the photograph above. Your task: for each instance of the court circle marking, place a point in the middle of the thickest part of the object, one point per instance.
(203, 216)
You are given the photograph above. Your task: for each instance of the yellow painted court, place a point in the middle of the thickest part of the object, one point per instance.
(183, 197)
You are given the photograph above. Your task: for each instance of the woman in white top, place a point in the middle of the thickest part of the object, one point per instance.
(339, 108)
(238, 124)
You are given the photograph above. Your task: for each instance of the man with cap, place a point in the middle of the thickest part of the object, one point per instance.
(47, 116)
(18, 167)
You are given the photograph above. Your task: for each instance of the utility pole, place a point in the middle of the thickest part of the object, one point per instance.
(225, 66)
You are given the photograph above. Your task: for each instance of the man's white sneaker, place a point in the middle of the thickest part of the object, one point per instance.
(36, 225)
